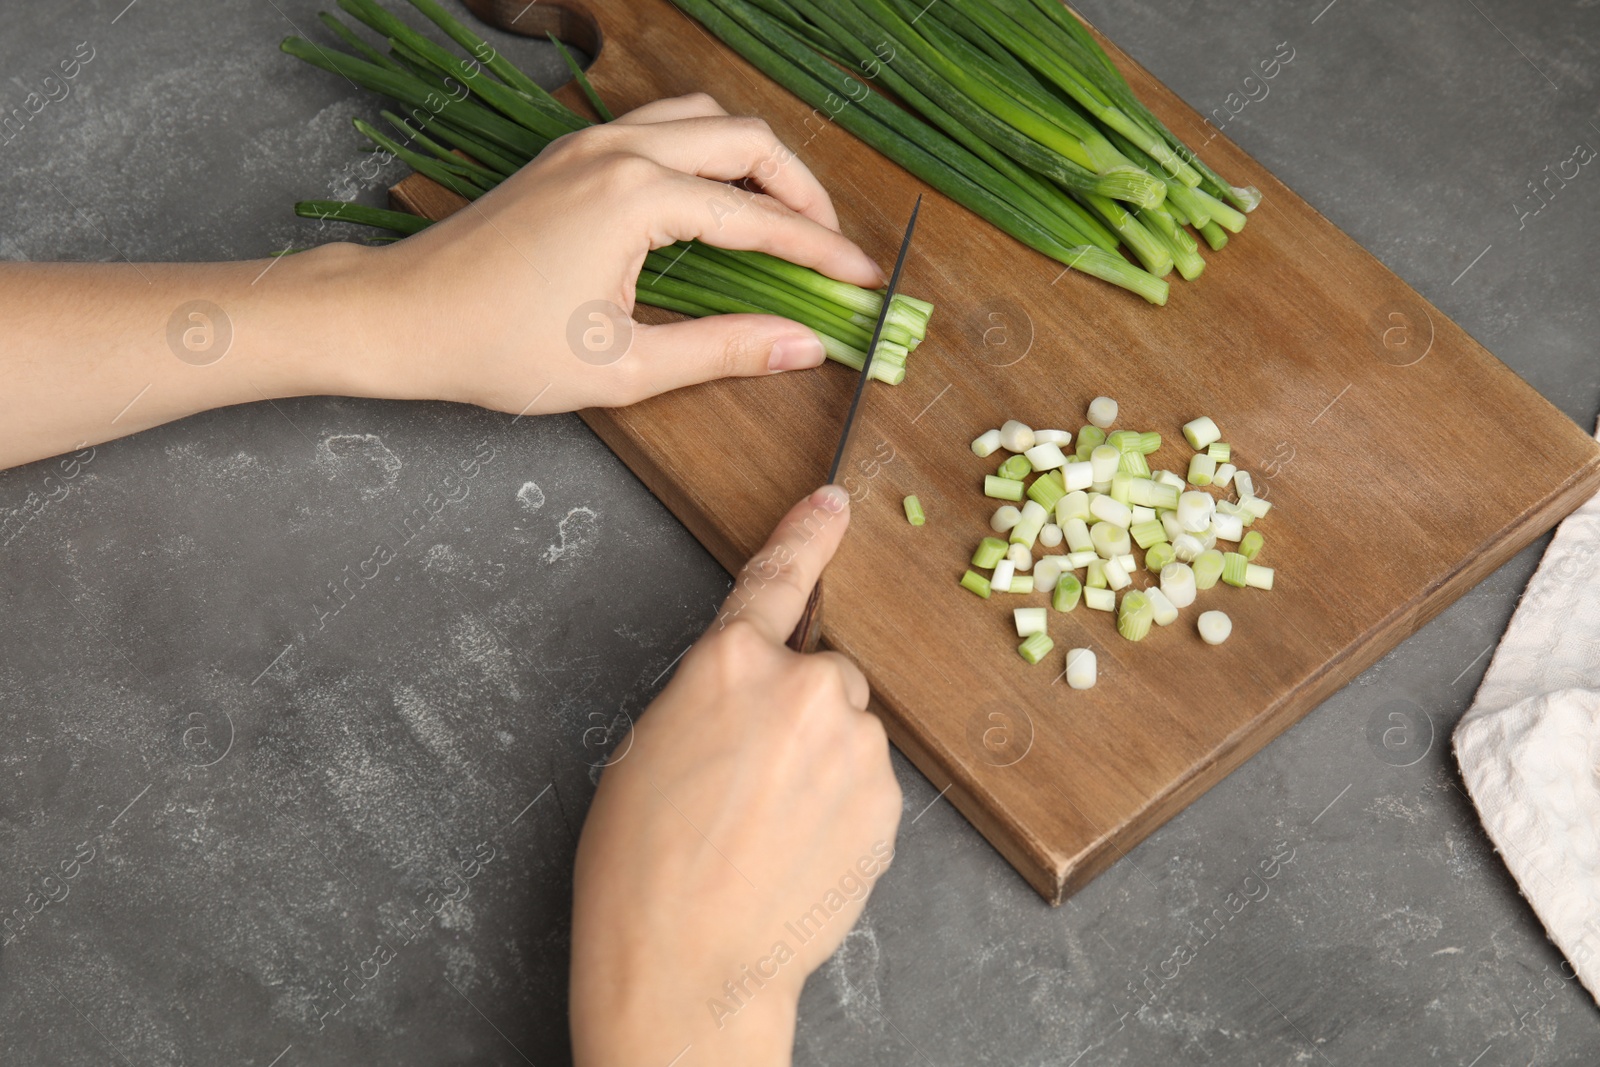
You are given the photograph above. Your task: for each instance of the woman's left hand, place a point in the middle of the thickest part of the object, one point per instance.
(530, 290)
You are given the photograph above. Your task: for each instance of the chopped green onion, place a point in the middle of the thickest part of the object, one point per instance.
(1169, 479)
(1195, 510)
(986, 443)
(1089, 439)
(1176, 528)
(1076, 532)
(1036, 647)
(1068, 590)
(1109, 509)
(1201, 432)
(1029, 621)
(1075, 505)
(1123, 440)
(1245, 486)
(1045, 457)
(1002, 488)
(1104, 461)
(1099, 599)
(991, 550)
(1081, 668)
(1178, 582)
(1135, 616)
(1225, 528)
(1214, 627)
(1110, 540)
(976, 583)
(1187, 547)
(1220, 451)
(914, 513)
(1047, 572)
(1120, 483)
(1032, 520)
(1146, 534)
(1224, 475)
(1102, 412)
(1077, 476)
(1166, 613)
(1016, 468)
(1047, 488)
(1016, 436)
(1141, 492)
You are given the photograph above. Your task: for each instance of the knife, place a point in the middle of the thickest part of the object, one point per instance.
(809, 630)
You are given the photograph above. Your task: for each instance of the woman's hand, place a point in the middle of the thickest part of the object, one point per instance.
(519, 302)
(530, 288)
(734, 839)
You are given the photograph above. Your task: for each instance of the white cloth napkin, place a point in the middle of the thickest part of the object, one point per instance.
(1529, 747)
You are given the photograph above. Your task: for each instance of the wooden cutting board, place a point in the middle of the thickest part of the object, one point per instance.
(1404, 461)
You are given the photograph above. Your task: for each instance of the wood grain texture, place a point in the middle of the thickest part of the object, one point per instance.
(1404, 461)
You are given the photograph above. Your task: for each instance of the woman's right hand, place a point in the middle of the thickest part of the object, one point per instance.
(732, 843)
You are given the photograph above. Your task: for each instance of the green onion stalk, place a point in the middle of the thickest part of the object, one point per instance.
(944, 162)
(1010, 107)
(468, 124)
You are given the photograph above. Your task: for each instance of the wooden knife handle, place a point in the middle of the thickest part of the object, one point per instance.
(808, 631)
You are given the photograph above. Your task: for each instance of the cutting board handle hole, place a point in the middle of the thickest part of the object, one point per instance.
(571, 25)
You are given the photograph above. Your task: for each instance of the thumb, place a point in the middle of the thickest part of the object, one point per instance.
(718, 346)
(772, 589)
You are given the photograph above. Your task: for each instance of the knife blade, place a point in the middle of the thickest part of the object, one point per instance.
(809, 629)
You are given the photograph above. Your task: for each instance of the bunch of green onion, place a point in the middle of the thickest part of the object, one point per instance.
(1009, 107)
(471, 122)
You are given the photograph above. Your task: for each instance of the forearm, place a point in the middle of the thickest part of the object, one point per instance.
(97, 351)
(645, 1017)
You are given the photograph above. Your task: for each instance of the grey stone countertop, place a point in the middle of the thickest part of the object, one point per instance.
(263, 797)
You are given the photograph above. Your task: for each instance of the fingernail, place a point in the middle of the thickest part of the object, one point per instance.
(796, 353)
(832, 497)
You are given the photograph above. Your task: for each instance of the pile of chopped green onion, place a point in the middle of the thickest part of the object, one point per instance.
(471, 143)
(1155, 536)
(1007, 106)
